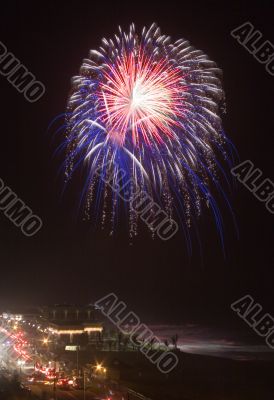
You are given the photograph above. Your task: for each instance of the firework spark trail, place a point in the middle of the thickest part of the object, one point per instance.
(149, 107)
(145, 97)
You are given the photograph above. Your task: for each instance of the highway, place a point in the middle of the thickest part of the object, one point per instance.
(47, 393)
(24, 349)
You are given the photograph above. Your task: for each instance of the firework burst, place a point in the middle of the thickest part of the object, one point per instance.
(147, 110)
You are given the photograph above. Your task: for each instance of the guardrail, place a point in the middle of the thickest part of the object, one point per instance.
(132, 395)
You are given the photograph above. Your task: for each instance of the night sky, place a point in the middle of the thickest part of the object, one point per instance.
(66, 261)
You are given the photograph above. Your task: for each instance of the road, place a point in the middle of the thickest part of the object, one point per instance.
(72, 394)
(23, 349)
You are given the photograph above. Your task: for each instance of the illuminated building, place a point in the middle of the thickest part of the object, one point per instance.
(71, 324)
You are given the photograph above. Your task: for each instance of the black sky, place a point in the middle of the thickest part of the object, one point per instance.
(65, 262)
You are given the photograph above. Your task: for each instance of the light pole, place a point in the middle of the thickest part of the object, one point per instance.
(20, 363)
(54, 382)
(84, 384)
(77, 359)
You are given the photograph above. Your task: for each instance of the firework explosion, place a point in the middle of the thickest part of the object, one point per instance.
(145, 110)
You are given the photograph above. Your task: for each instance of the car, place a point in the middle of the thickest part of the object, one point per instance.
(63, 383)
(78, 383)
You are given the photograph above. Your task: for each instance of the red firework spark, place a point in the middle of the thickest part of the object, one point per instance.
(141, 95)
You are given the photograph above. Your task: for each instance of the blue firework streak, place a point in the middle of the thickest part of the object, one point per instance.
(145, 110)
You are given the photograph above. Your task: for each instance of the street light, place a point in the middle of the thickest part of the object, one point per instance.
(98, 367)
(20, 363)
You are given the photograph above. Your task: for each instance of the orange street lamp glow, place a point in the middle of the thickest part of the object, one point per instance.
(98, 367)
